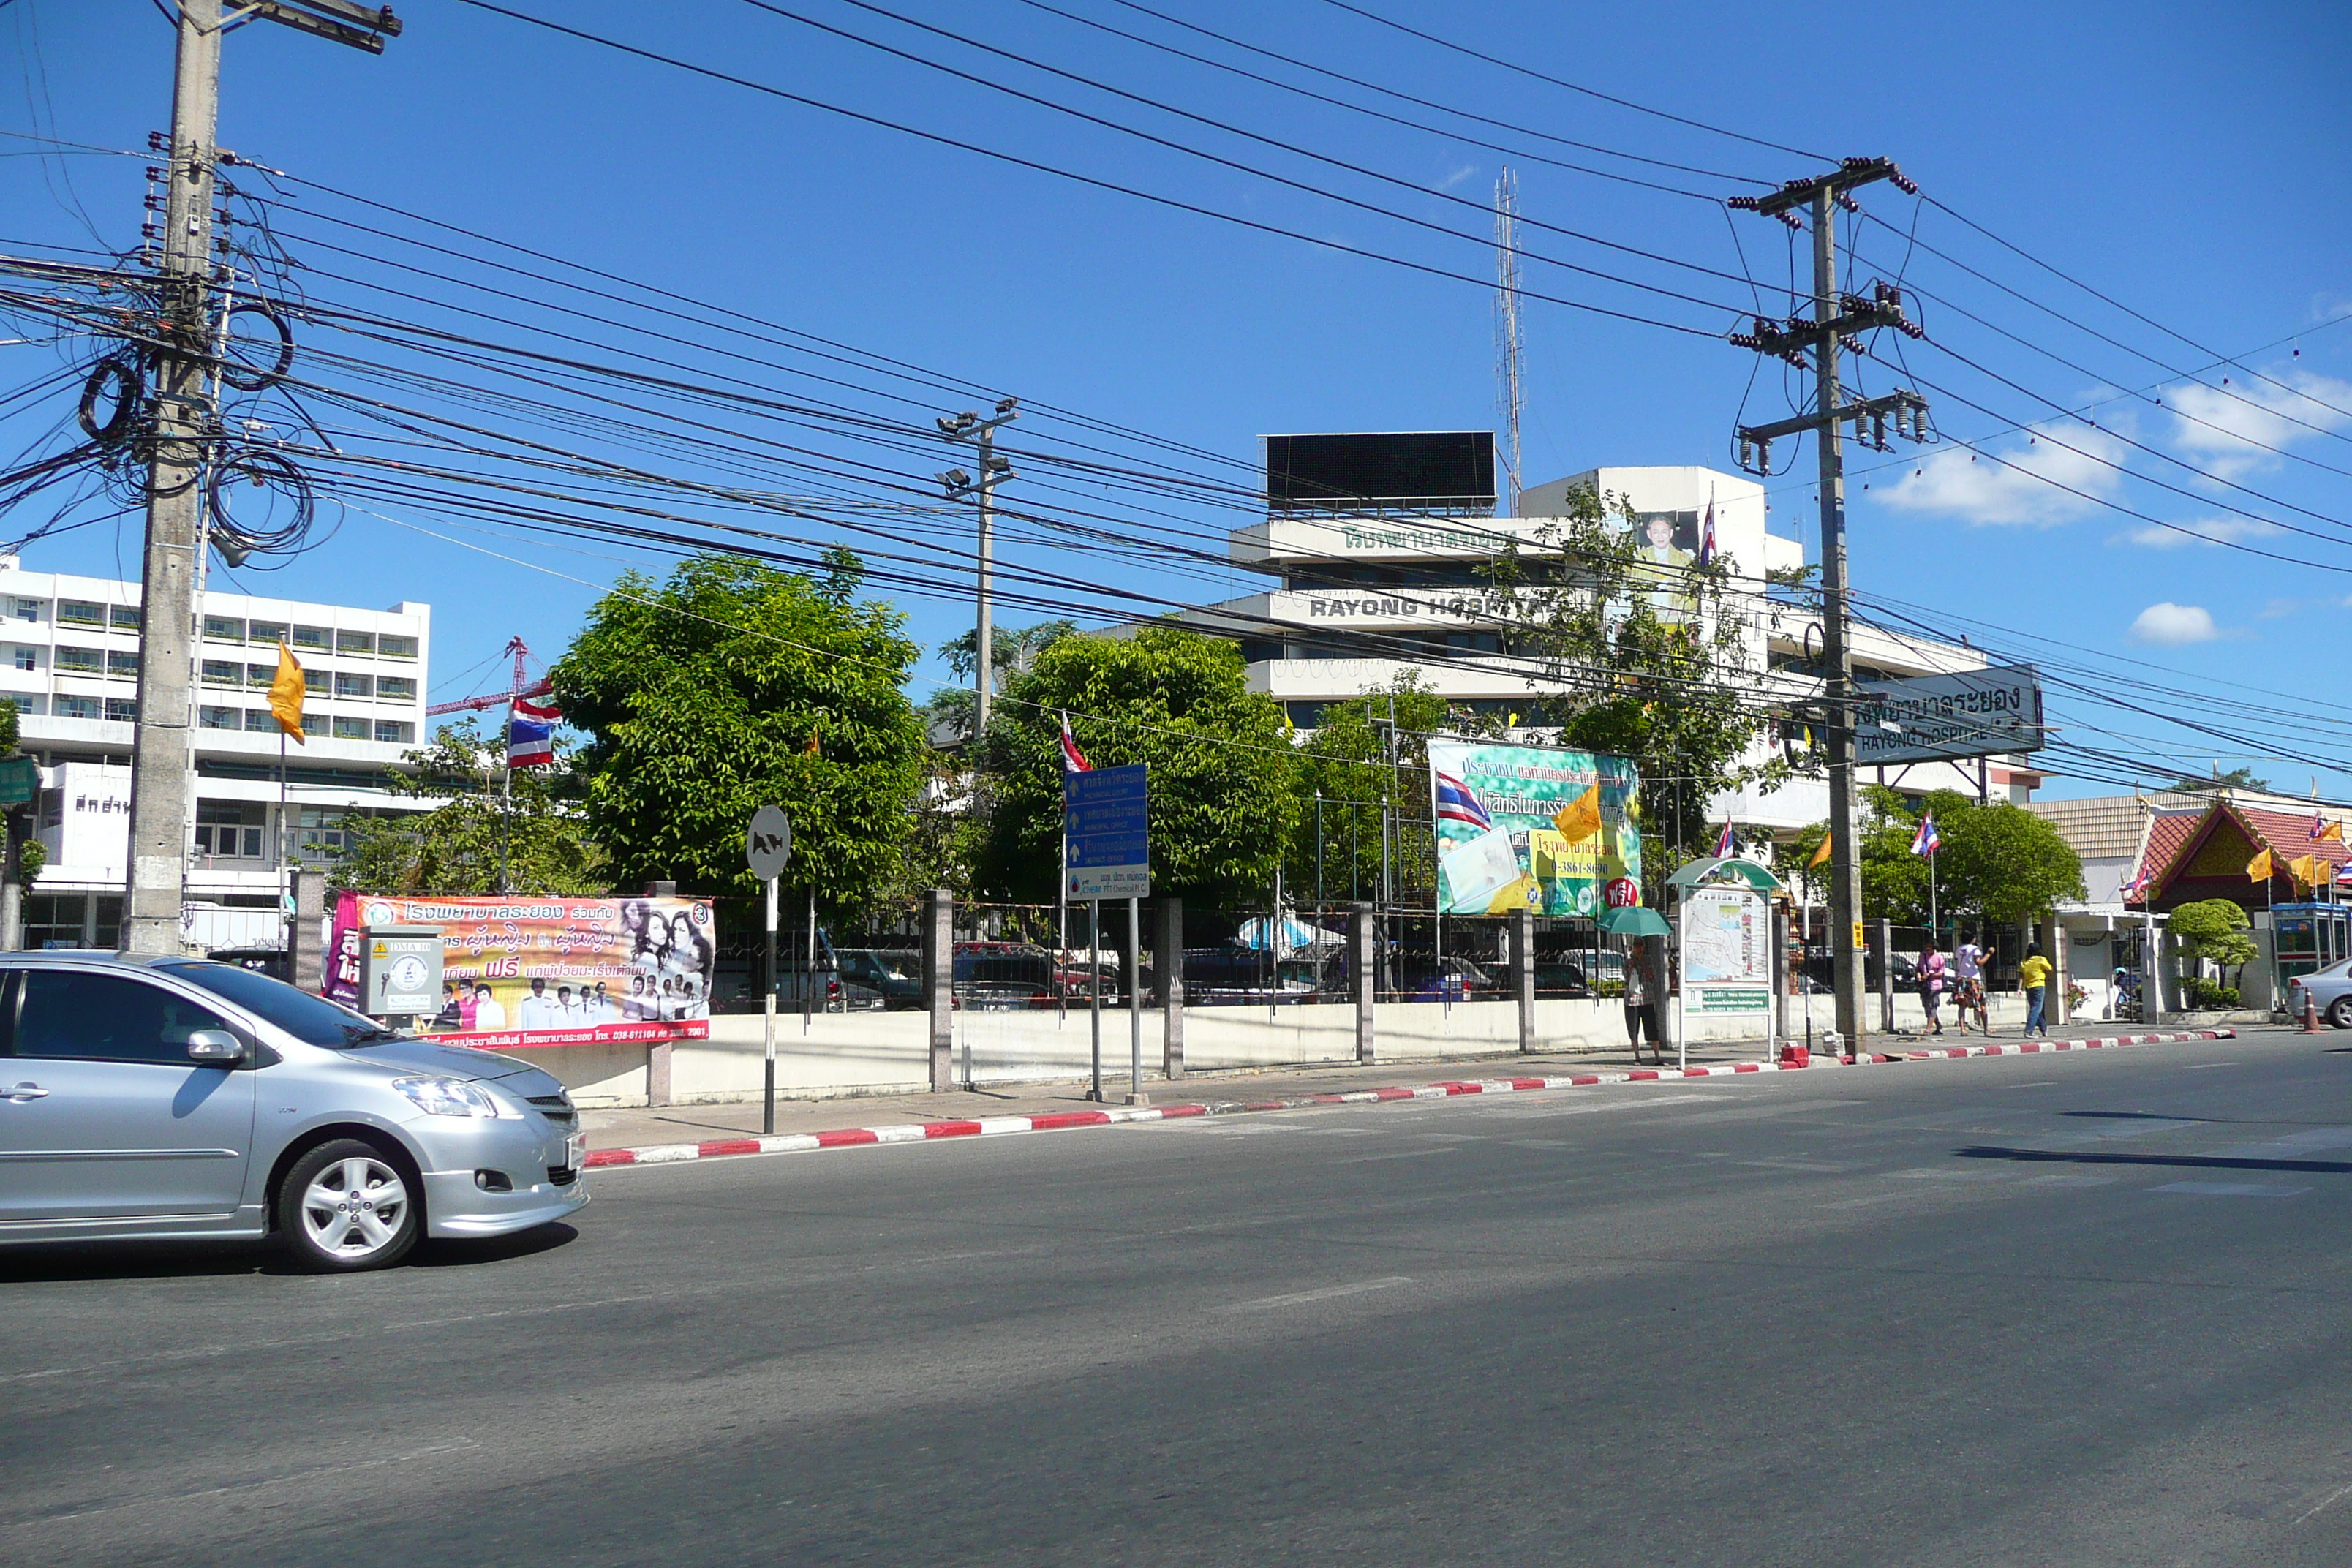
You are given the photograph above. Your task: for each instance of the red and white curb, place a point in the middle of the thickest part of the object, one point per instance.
(1059, 1120)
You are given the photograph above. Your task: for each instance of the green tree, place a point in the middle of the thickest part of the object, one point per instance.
(534, 826)
(1657, 666)
(1999, 863)
(732, 686)
(2236, 778)
(1012, 650)
(1223, 805)
(2215, 930)
(31, 853)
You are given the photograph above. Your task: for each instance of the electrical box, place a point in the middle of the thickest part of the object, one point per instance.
(400, 971)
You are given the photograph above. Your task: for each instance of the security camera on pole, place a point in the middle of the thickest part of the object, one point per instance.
(969, 426)
(767, 845)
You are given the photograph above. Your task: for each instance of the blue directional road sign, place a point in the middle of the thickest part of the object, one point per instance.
(1104, 814)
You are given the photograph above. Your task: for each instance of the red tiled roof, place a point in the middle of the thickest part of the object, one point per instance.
(2168, 833)
(2286, 833)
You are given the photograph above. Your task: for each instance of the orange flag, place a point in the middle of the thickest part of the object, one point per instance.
(286, 695)
(2258, 869)
(1580, 818)
(1822, 853)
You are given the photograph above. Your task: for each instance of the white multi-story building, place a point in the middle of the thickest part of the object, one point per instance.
(69, 651)
(1359, 597)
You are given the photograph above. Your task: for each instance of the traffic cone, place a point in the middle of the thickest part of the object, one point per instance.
(2310, 1012)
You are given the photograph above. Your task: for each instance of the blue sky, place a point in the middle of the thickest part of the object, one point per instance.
(2189, 161)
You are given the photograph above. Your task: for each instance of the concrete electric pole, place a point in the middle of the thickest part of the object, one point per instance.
(186, 429)
(1834, 319)
(958, 484)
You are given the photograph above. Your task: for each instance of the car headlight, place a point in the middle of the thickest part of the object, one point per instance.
(447, 1097)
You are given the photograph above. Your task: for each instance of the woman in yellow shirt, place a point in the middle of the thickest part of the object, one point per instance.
(2033, 975)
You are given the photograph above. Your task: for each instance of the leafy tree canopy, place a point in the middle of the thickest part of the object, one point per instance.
(2214, 929)
(1347, 761)
(1223, 806)
(1999, 863)
(733, 686)
(31, 853)
(2236, 778)
(1013, 649)
(534, 826)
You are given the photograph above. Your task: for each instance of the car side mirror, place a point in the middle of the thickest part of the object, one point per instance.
(214, 1048)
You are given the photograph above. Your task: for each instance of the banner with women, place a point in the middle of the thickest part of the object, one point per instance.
(525, 970)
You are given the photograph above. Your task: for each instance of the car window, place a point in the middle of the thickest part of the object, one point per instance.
(313, 1020)
(77, 1014)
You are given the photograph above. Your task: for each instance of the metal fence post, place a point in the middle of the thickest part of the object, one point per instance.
(1171, 988)
(1885, 977)
(1523, 974)
(1359, 974)
(939, 985)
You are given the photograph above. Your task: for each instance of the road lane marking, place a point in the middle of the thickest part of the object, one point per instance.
(1405, 1155)
(1329, 1294)
(2231, 1190)
(2330, 1498)
(333, 1467)
(2201, 1067)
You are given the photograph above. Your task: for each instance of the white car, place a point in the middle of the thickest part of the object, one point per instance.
(2331, 992)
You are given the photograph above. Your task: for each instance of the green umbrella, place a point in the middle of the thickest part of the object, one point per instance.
(1635, 921)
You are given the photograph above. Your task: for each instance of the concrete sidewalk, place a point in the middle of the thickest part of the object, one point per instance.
(635, 1127)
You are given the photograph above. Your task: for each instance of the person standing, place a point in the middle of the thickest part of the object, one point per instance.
(2033, 975)
(1932, 978)
(1641, 1001)
(1967, 962)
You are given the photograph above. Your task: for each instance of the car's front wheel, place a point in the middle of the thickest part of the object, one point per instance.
(345, 1207)
(2339, 1012)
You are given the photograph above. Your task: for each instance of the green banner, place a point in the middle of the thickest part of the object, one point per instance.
(1531, 827)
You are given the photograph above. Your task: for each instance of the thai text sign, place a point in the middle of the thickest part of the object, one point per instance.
(1108, 823)
(526, 971)
(1531, 827)
(1727, 935)
(1972, 714)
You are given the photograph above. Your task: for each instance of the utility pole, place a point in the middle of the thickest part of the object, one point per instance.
(185, 426)
(1835, 318)
(1510, 337)
(981, 433)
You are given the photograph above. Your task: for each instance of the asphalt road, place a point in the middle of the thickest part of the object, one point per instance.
(2079, 1308)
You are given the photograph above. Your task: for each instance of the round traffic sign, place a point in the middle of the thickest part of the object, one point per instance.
(1623, 893)
(768, 842)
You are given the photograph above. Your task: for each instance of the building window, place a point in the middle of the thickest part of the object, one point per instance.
(216, 718)
(122, 661)
(25, 657)
(229, 827)
(81, 660)
(393, 732)
(350, 685)
(123, 617)
(395, 688)
(319, 680)
(261, 721)
(354, 642)
(260, 675)
(80, 612)
(319, 835)
(221, 672)
(391, 646)
(314, 723)
(76, 707)
(55, 920)
(122, 710)
(350, 729)
(312, 637)
(266, 631)
(224, 628)
(26, 609)
(27, 703)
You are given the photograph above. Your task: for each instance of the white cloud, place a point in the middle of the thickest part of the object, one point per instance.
(2173, 625)
(2224, 429)
(2203, 530)
(2023, 487)
(1460, 174)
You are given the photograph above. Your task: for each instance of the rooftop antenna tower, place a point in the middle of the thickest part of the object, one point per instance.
(1510, 341)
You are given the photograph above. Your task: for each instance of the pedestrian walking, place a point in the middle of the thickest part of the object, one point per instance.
(1641, 1001)
(1932, 980)
(1967, 968)
(2033, 977)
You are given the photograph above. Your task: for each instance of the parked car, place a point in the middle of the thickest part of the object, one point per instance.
(1558, 977)
(1425, 976)
(2331, 992)
(896, 977)
(998, 975)
(1234, 976)
(146, 1098)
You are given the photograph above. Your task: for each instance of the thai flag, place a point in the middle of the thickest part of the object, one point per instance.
(2137, 888)
(1457, 802)
(1927, 841)
(531, 735)
(1074, 761)
(1724, 847)
(1707, 535)
(2343, 875)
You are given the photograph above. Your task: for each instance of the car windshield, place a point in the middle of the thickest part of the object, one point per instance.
(313, 1020)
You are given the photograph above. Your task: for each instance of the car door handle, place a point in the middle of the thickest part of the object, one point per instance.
(25, 1091)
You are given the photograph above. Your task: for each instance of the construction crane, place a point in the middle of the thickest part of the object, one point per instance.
(498, 699)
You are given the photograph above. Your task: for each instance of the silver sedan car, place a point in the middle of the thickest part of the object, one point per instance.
(2331, 994)
(145, 1099)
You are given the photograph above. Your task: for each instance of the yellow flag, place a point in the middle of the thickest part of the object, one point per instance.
(2258, 869)
(286, 695)
(2306, 870)
(1821, 854)
(2332, 830)
(1580, 818)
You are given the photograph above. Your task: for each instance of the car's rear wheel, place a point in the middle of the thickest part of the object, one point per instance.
(2339, 1012)
(344, 1206)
